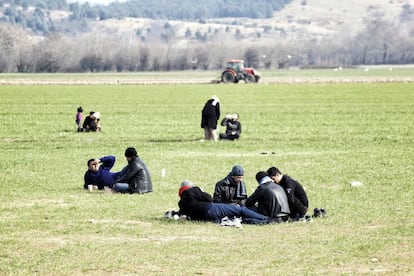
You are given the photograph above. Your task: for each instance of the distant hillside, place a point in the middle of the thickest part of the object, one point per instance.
(57, 36)
(300, 19)
(40, 15)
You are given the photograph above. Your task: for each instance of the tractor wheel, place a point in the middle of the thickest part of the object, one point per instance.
(227, 77)
(249, 78)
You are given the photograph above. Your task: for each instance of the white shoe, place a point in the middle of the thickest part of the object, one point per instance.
(236, 222)
(225, 221)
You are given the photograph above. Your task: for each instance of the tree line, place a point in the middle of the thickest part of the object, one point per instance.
(159, 48)
(380, 42)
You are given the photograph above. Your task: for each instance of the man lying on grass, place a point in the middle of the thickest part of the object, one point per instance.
(198, 205)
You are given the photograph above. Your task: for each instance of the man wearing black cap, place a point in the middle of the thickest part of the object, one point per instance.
(232, 188)
(137, 175)
(271, 199)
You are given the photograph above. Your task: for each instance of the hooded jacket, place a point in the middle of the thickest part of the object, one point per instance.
(194, 203)
(137, 176)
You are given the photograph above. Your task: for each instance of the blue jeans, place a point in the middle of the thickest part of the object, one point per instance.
(121, 188)
(217, 211)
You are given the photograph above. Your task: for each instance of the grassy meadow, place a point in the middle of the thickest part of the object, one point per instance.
(324, 135)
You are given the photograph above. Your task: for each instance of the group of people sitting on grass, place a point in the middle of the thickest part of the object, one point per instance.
(92, 122)
(278, 198)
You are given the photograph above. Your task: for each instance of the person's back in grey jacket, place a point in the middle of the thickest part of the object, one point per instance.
(271, 199)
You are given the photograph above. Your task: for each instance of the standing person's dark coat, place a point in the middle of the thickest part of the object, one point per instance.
(209, 117)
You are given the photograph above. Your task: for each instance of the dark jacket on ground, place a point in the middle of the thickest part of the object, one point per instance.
(298, 200)
(194, 203)
(227, 191)
(137, 176)
(210, 114)
(271, 199)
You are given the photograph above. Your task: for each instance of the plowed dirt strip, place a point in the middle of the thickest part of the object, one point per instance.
(284, 80)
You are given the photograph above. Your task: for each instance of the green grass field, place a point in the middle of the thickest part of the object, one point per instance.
(324, 135)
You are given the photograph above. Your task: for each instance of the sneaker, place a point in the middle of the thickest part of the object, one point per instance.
(231, 222)
(302, 219)
(225, 222)
(323, 212)
(237, 222)
(168, 214)
(308, 218)
(317, 213)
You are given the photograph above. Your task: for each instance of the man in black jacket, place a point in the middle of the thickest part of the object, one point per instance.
(137, 175)
(298, 200)
(231, 189)
(270, 199)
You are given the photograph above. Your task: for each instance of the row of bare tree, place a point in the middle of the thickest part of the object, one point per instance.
(380, 42)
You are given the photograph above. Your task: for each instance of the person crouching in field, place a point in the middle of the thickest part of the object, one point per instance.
(92, 122)
(297, 198)
(270, 199)
(233, 127)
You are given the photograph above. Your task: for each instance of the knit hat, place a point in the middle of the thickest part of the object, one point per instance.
(187, 183)
(130, 152)
(237, 170)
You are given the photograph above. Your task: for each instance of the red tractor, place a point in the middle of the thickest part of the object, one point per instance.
(236, 71)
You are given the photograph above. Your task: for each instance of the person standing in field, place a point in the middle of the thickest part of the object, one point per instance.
(231, 189)
(136, 178)
(79, 118)
(209, 117)
(297, 198)
(233, 127)
(269, 199)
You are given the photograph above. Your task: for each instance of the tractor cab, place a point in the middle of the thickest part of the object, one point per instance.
(235, 64)
(235, 71)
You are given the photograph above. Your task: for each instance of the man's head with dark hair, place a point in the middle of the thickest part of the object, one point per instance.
(260, 175)
(275, 174)
(93, 165)
(272, 171)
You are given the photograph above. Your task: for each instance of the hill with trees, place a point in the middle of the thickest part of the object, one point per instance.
(57, 36)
